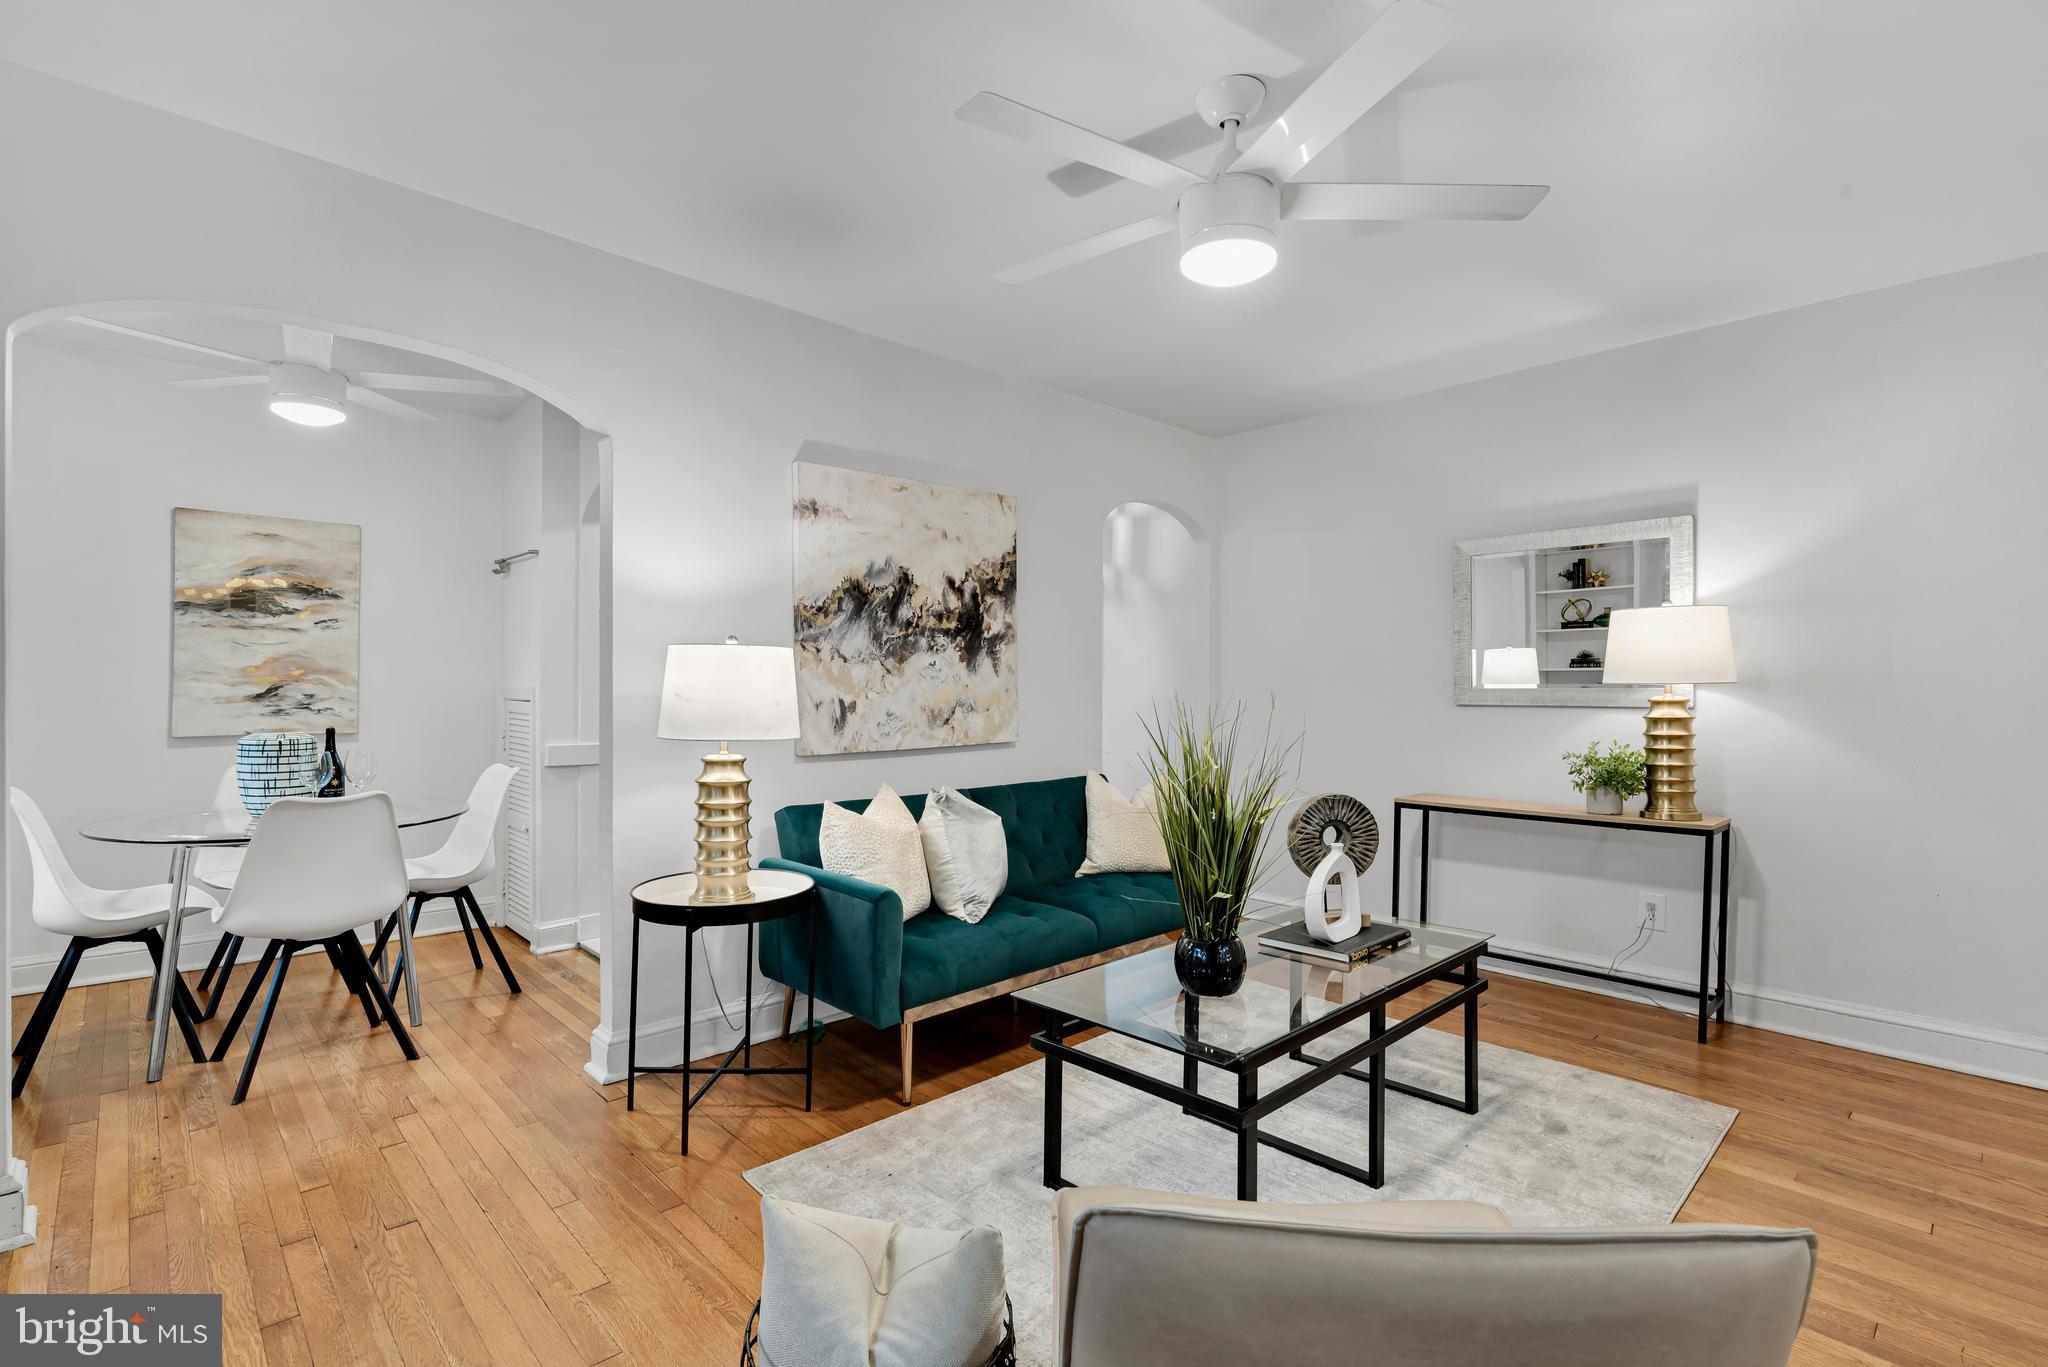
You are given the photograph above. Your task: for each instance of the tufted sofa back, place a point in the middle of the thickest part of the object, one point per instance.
(1045, 825)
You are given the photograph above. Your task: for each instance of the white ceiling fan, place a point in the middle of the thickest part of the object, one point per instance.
(1227, 220)
(304, 386)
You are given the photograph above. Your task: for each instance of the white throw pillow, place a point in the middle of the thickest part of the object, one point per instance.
(879, 845)
(839, 1289)
(1123, 833)
(964, 854)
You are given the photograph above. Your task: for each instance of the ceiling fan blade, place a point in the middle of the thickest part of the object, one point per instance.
(1076, 252)
(1311, 199)
(433, 384)
(1072, 142)
(1407, 34)
(304, 346)
(370, 398)
(105, 326)
(221, 381)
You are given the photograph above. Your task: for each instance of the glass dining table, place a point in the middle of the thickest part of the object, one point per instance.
(189, 829)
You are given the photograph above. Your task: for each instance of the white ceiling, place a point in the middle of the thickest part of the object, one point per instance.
(1711, 161)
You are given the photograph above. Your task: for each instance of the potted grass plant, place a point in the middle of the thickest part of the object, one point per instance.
(1608, 777)
(1215, 804)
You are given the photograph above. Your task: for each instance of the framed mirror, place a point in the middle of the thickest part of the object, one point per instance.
(1529, 612)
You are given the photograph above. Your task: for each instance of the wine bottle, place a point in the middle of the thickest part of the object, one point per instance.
(337, 777)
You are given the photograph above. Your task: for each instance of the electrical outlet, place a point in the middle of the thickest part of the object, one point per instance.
(1652, 906)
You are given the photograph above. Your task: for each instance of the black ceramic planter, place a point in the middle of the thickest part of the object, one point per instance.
(1209, 968)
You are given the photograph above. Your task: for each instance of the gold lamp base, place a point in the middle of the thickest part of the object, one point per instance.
(723, 835)
(1667, 740)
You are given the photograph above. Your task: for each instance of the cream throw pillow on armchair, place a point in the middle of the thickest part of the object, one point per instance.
(879, 845)
(843, 1291)
(1123, 833)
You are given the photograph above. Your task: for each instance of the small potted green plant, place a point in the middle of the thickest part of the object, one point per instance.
(1608, 777)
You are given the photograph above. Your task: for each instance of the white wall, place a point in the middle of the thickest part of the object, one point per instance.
(1869, 481)
(707, 397)
(1156, 620)
(101, 454)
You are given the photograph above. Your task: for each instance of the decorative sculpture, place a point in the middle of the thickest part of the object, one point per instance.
(1333, 836)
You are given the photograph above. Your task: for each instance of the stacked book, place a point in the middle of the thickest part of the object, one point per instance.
(1294, 938)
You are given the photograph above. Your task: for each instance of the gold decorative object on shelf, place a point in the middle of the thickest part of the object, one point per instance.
(725, 693)
(1670, 646)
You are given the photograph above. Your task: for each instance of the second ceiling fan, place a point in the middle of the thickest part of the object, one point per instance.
(1228, 220)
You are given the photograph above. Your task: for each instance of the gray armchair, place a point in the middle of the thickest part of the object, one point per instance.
(1143, 1278)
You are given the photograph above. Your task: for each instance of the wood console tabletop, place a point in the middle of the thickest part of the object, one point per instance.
(1557, 811)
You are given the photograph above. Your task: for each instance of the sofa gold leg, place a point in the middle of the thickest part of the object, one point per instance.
(904, 1041)
(788, 1009)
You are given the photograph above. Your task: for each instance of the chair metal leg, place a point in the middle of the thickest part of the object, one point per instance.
(220, 951)
(462, 914)
(227, 1036)
(346, 967)
(227, 970)
(38, 1028)
(408, 962)
(353, 950)
(183, 1009)
(465, 896)
(284, 964)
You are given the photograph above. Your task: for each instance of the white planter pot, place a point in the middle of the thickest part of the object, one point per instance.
(1603, 802)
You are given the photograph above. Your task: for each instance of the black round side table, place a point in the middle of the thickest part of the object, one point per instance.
(666, 902)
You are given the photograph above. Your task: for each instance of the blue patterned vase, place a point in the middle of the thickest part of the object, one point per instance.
(274, 764)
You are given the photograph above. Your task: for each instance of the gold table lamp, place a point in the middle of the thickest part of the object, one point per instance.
(726, 693)
(1670, 646)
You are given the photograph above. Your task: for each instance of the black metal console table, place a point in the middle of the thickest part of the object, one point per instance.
(1712, 991)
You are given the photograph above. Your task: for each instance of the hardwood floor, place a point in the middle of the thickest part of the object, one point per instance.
(490, 1204)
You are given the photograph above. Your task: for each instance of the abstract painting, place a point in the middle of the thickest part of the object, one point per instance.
(906, 613)
(263, 623)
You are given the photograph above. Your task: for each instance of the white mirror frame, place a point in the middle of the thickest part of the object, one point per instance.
(1678, 530)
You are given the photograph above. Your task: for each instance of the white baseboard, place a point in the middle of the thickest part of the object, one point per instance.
(128, 961)
(2004, 1056)
(661, 1041)
(545, 937)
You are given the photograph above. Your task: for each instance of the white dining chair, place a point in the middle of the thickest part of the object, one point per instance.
(467, 857)
(214, 869)
(317, 869)
(62, 903)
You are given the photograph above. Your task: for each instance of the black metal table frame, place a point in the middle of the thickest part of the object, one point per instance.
(1712, 991)
(692, 920)
(1243, 1116)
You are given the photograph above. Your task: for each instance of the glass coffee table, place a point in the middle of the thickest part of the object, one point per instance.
(1285, 1005)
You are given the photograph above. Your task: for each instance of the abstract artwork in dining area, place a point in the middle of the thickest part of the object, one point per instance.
(264, 623)
(906, 613)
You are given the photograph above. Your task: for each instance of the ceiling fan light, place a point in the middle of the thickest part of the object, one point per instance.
(1226, 230)
(1236, 255)
(307, 395)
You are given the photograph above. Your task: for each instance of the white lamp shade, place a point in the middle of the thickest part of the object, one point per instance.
(1509, 667)
(729, 692)
(1669, 645)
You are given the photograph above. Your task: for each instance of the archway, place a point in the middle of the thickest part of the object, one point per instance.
(567, 763)
(1157, 628)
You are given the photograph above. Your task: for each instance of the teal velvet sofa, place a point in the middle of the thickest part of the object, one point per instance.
(874, 965)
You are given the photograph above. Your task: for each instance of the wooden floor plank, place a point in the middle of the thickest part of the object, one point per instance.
(492, 1203)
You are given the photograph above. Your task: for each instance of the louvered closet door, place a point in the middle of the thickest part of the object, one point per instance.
(517, 841)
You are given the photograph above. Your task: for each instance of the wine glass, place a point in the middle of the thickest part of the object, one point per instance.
(360, 764)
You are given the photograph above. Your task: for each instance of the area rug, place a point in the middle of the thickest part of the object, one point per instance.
(1552, 1145)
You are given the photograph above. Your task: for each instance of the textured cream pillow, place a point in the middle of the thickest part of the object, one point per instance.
(879, 845)
(1123, 833)
(964, 853)
(844, 1289)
